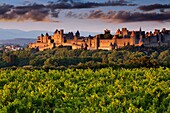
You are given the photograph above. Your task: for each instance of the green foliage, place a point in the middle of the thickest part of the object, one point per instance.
(128, 57)
(164, 57)
(78, 90)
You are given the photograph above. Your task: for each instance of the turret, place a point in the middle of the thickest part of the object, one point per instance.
(140, 37)
(106, 31)
(140, 30)
(40, 39)
(61, 32)
(77, 34)
(47, 34)
(133, 34)
(61, 36)
(124, 31)
(118, 32)
(163, 30)
(45, 38)
(56, 31)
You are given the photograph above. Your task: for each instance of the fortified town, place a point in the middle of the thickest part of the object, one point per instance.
(105, 41)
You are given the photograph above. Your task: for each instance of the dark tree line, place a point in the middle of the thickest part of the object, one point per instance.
(127, 57)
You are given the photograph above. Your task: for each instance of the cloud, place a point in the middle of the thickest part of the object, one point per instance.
(65, 1)
(70, 4)
(122, 16)
(47, 12)
(34, 12)
(100, 14)
(93, 14)
(70, 14)
(5, 8)
(154, 7)
(97, 14)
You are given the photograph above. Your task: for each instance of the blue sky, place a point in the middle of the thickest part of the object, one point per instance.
(88, 18)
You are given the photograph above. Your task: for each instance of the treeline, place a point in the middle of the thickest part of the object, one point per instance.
(61, 58)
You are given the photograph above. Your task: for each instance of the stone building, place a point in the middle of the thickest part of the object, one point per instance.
(105, 41)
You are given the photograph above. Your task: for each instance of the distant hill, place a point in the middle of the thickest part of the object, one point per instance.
(14, 33)
(14, 36)
(17, 41)
(6, 34)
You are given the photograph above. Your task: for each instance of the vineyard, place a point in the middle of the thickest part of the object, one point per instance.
(77, 90)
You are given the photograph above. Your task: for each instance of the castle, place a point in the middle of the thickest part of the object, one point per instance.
(105, 41)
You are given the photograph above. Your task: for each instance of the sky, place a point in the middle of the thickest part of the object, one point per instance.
(88, 16)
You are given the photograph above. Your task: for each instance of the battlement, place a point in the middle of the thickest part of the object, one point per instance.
(106, 31)
(59, 32)
(107, 41)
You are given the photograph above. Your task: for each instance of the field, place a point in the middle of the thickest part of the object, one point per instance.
(78, 90)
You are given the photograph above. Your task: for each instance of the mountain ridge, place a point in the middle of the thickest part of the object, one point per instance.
(17, 41)
(15, 33)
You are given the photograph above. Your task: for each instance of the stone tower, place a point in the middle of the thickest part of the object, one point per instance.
(132, 38)
(45, 38)
(96, 42)
(58, 37)
(140, 37)
(124, 32)
(75, 39)
(61, 40)
(114, 39)
(40, 39)
(77, 34)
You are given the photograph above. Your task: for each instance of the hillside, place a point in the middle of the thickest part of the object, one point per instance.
(6, 34)
(17, 41)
